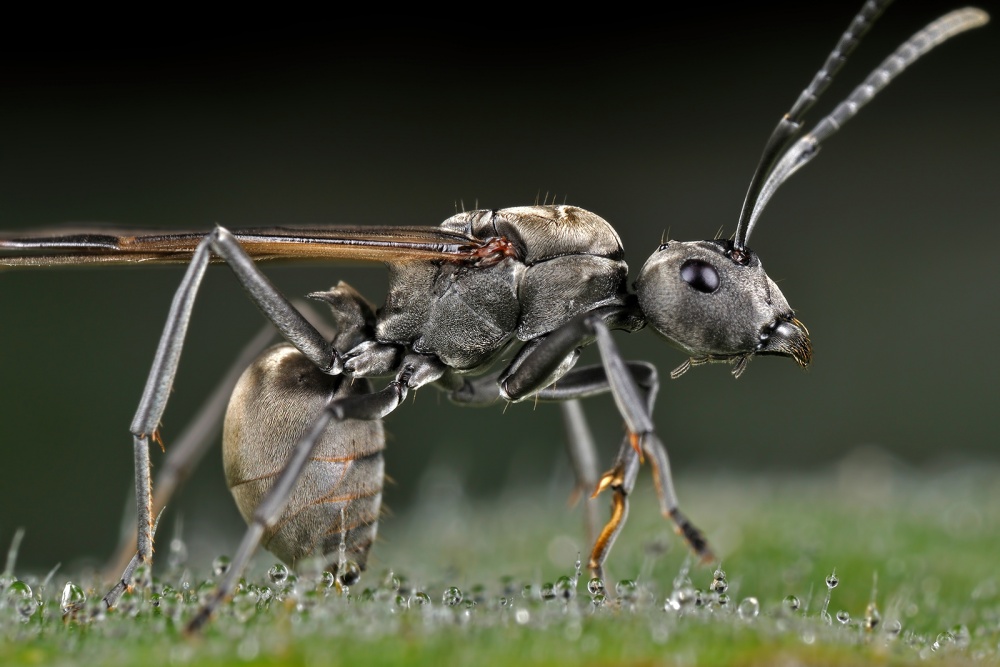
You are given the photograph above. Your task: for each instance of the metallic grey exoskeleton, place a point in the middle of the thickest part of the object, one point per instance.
(303, 438)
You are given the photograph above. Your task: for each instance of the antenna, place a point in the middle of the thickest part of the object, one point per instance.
(775, 166)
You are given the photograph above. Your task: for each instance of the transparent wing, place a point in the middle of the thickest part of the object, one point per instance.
(99, 245)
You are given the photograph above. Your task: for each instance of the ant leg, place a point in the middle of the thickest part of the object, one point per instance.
(417, 370)
(122, 585)
(190, 446)
(583, 459)
(195, 440)
(592, 380)
(625, 383)
(637, 413)
(292, 325)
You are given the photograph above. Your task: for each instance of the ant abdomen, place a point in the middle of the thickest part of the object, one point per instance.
(338, 497)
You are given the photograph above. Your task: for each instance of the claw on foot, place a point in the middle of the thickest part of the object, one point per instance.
(694, 537)
(611, 478)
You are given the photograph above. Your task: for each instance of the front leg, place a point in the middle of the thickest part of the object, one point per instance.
(633, 387)
(638, 418)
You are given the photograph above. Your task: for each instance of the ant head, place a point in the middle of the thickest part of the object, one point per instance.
(714, 301)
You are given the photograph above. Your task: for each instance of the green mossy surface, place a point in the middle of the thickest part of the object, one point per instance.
(923, 549)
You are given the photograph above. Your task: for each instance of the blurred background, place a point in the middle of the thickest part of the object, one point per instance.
(885, 245)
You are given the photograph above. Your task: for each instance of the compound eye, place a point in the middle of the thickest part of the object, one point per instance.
(700, 275)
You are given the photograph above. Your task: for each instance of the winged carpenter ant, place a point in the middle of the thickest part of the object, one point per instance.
(550, 279)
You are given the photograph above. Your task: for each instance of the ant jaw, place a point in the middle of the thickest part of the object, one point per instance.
(787, 338)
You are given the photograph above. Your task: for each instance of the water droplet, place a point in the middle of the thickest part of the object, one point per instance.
(893, 627)
(402, 602)
(26, 608)
(221, 565)
(278, 574)
(421, 599)
(18, 589)
(178, 553)
(627, 589)
(522, 616)
(720, 585)
(566, 587)
(73, 598)
(391, 581)
(452, 596)
(684, 597)
(349, 573)
(723, 600)
(20, 598)
(248, 649)
(832, 580)
(508, 585)
(748, 608)
(719, 574)
(872, 617)
(528, 592)
(943, 639)
(548, 591)
(327, 580)
(792, 603)
(244, 605)
(843, 617)
(598, 600)
(960, 635)
(595, 586)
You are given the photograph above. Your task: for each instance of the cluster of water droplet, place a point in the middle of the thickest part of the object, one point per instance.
(339, 600)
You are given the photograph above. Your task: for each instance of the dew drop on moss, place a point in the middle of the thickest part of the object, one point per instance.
(748, 608)
(73, 598)
(872, 617)
(220, 565)
(349, 573)
(627, 589)
(565, 587)
(452, 596)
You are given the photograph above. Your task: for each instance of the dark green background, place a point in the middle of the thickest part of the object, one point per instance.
(886, 245)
